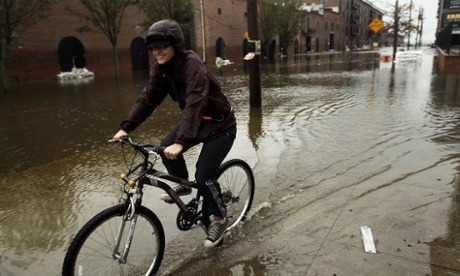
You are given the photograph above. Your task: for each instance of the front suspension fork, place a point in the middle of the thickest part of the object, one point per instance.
(131, 218)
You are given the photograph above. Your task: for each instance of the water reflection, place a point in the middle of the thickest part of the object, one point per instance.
(445, 89)
(255, 126)
(256, 267)
(348, 118)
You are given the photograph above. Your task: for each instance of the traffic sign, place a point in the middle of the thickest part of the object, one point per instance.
(376, 25)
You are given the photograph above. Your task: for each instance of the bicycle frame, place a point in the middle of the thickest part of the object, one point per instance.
(148, 175)
(155, 178)
(158, 178)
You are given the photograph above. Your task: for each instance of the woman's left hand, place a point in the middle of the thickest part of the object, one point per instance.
(173, 151)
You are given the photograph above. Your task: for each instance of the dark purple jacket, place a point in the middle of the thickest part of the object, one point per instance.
(188, 82)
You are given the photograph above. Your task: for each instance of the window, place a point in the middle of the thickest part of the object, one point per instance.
(219, 11)
(454, 3)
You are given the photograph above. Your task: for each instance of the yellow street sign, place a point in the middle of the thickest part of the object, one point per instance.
(376, 25)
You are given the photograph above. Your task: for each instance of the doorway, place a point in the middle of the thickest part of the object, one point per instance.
(71, 54)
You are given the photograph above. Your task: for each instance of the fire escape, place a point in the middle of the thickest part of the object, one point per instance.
(355, 24)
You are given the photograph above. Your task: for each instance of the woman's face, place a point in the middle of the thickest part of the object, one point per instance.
(163, 54)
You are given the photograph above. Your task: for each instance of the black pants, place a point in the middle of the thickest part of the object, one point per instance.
(211, 156)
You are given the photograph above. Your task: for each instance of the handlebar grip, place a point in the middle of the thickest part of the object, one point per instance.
(156, 148)
(140, 147)
(121, 139)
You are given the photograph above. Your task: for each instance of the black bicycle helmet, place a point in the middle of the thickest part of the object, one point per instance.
(165, 32)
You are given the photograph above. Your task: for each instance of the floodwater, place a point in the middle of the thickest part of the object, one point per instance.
(341, 141)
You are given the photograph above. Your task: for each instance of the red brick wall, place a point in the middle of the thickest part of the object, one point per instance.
(35, 56)
(230, 25)
(448, 64)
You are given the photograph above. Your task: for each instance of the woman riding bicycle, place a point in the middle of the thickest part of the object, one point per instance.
(207, 117)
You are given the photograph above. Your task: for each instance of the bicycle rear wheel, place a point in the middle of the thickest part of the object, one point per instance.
(237, 185)
(93, 252)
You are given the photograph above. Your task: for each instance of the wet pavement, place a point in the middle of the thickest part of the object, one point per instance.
(374, 151)
(341, 142)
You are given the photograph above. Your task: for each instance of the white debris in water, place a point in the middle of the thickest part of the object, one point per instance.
(221, 62)
(408, 56)
(76, 73)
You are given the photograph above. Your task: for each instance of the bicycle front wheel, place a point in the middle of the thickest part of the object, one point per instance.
(98, 248)
(237, 185)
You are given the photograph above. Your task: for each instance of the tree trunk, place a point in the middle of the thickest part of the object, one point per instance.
(115, 58)
(4, 78)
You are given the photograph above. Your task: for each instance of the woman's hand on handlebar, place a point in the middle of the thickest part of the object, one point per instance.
(173, 151)
(118, 135)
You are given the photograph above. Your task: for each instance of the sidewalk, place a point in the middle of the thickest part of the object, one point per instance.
(323, 237)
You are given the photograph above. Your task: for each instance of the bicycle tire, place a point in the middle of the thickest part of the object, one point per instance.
(91, 251)
(236, 181)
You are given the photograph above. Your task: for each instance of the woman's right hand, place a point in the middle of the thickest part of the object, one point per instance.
(118, 135)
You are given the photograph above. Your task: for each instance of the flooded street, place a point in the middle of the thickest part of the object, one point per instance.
(341, 141)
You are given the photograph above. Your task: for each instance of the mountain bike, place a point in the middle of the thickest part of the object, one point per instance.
(128, 238)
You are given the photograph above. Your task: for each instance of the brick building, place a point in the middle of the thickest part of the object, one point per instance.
(54, 45)
(346, 24)
(321, 30)
(223, 24)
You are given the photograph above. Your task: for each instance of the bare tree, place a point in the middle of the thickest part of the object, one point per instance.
(289, 22)
(268, 13)
(399, 24)
(15, 17)
(399, 21)
(107, 17)
(179, 10)
(280, 19)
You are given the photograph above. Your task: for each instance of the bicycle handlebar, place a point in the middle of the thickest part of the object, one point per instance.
(142, 148)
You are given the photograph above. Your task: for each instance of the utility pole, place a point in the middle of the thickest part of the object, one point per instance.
(255, 98)
(395, 30)
(203, 35)
(420, 28)
(409, 25)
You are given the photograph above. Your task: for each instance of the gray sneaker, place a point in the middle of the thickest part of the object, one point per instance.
(180, 190)
(216, 233)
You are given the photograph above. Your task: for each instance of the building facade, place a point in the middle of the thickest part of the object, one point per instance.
(448, 31)
(220, 25)
(449, 12)
(349, 28)
(55, 44)
(448, 36)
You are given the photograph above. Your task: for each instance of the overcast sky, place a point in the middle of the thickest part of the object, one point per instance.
(430, 9)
